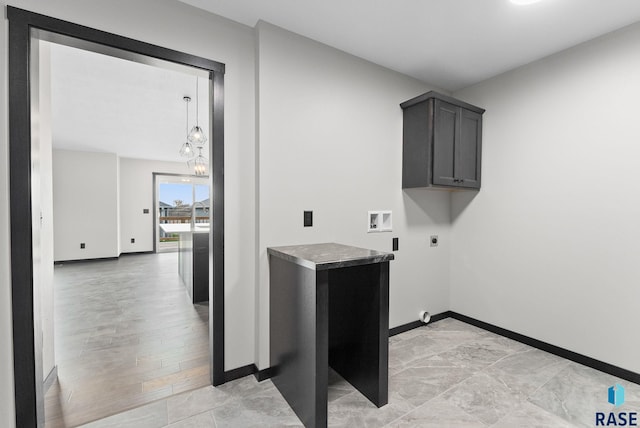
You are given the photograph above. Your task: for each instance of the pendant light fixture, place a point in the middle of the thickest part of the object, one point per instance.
(187, 150)
(199, 163)
(197, 136)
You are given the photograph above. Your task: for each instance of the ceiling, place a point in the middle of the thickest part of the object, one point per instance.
(101, 103)
(449, 44)
(107, 104)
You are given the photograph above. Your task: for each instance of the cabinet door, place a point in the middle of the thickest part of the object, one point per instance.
(445, 134)
(468, 150)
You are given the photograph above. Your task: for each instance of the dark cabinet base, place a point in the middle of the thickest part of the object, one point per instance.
(320, 318)
(359, 328)
(193, 265)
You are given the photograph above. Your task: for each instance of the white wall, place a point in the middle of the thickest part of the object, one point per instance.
(136, 194)
(113, 198)
(330, 140)
(162, 22)
(85, 205)
(549, 246)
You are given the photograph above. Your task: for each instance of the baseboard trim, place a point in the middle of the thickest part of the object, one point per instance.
(415, 324)
(239, 372)
(247, 370)
(552, 349)
(136, 253)
(50, 379)
(98, 259)
(264, 374)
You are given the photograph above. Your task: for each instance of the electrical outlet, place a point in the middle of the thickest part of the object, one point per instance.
(145, 211)
(308, 219)
(394, 244)
(82, 246)
(433, 240)
(133, 240)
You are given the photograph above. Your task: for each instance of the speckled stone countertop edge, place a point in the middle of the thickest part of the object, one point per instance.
(329, 255)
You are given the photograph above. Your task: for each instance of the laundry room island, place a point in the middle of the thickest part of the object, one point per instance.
(329, 306)
(193, 258)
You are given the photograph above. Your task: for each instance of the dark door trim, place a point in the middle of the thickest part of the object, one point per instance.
(29, 400)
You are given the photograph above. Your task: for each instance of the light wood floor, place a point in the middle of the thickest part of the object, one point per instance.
(125, 335)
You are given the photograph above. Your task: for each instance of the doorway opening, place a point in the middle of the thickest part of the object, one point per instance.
(25, 30)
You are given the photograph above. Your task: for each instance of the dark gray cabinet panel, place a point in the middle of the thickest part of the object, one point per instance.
(447, 118)
(193, 264)
(442, 142)
(468, 149)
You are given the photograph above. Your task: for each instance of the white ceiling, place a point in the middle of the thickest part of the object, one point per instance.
(450, 44)
(105, 104)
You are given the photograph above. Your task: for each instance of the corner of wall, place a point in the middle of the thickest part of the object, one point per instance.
(257, 360)
(117, 206)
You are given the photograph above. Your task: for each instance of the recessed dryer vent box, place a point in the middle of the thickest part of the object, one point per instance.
(379, 221)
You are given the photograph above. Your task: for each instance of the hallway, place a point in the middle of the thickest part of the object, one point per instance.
(126, 334)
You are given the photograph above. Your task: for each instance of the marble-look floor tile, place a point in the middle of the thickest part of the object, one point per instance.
(355, 410)
(469, 356)
(152, 415)
(450, 324)
(578, 392)
(202, 420)
(483, 397)
(495, 342)
(204, 399)
(337, 386)
(437, 413)
(438, 332)
(524, 372)
(418, 385)
(531, 416)
(403, 352)
(266, 408)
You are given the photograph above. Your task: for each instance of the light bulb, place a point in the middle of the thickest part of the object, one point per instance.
(196, 136)
(187, 150)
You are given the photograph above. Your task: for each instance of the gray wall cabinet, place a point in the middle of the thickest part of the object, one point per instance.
(442, 142)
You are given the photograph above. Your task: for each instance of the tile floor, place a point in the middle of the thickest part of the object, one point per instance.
(446, 374)
(126, 334)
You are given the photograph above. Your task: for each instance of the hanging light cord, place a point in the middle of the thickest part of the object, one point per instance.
(186, 126)
(197, 100)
